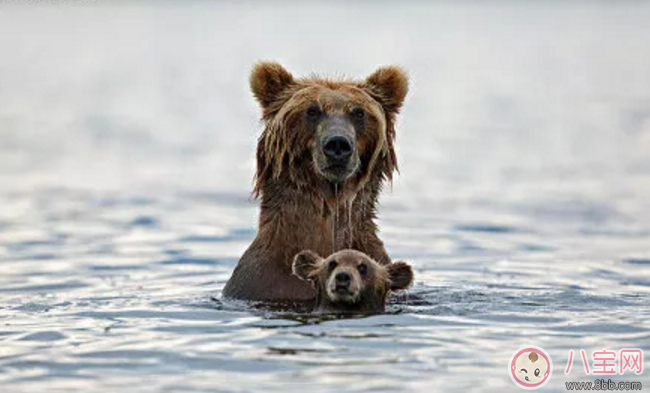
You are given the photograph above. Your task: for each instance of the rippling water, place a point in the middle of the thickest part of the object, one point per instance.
(127, 137)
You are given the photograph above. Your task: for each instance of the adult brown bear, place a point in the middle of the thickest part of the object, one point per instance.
(326, 149)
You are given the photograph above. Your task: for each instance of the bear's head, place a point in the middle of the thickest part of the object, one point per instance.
(321, 132)
(351, 281)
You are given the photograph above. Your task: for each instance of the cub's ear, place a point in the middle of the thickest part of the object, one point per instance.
(268, 80)
(389, 86)
(400, 275)
(304, 263)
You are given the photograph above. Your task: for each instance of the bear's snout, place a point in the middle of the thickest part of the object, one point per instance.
(338, 149)
(344, 286)
(342, 280)
(337, 155)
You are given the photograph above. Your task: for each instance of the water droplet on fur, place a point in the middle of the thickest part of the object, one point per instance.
(349, 204)
(335, 216)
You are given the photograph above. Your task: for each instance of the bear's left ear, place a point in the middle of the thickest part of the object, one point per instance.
(389, 86)
(400, 275)
(304, 263)
(268, 80)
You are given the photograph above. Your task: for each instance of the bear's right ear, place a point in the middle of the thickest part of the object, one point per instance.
(400, 275)
(389, 86)
(268, 80)
(304, 264)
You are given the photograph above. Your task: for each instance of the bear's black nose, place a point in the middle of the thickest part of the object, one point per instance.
(337, 148)
(342, 278)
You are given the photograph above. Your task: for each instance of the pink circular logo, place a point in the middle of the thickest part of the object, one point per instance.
(530, 367)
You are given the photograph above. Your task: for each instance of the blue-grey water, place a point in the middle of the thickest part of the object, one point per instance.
(127, 138)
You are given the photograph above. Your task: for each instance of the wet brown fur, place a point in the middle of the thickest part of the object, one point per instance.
(298, 206)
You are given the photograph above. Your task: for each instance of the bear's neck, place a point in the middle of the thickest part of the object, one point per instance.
(324, 221)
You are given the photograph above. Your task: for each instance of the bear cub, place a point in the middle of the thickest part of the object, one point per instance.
(349, 281)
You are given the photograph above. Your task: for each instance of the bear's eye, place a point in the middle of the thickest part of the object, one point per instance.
(358, 113)
(332, 265)
(363, 269)
(313, 112)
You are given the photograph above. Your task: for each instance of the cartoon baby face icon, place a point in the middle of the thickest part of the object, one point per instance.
(530, 368)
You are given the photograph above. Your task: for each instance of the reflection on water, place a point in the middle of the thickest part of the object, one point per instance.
(127, 140)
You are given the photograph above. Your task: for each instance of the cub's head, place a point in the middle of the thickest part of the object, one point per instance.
(326, 131)
(350, 280)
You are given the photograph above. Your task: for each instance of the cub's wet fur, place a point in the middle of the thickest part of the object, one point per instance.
(349, 281)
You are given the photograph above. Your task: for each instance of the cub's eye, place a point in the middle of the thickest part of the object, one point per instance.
(358, 113)
(363, 269)
(313, 112)
(537, 372)
(332, 265)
